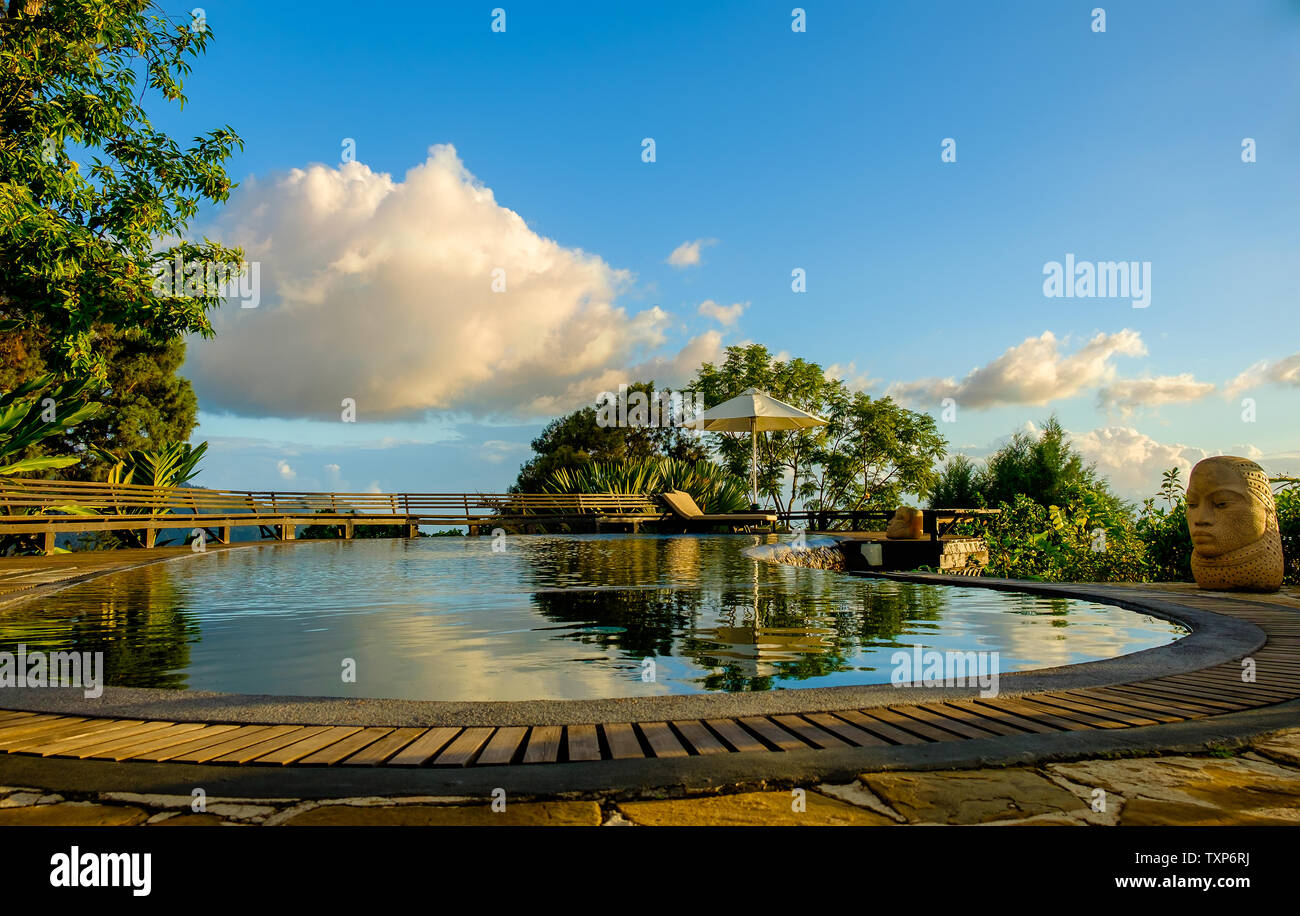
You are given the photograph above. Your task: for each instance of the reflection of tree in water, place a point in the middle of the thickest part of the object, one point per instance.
(1041, 606)
(136, 619)
(800, 636)
(640, 622)
(621, 562)
(797, 624)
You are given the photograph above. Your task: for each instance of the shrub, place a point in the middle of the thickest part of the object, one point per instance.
(1288, 522)
(1163, 530)
(959, 486)
(1085, 543)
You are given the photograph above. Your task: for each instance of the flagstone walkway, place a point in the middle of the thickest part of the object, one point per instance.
(1257, 783)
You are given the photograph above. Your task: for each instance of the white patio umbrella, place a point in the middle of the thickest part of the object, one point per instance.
(755, 411)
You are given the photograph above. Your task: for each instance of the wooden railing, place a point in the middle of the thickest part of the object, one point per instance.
(50, 506)
(934, 522)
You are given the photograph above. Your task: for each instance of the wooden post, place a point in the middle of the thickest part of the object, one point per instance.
(226, 532)
(49, 541)
(349, 529)
(288, 530)
(412, 529)
(150, 537)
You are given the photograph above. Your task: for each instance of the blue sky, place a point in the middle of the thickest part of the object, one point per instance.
(818, 150)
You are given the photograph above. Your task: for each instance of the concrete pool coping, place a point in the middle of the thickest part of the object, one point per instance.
(1214, 639)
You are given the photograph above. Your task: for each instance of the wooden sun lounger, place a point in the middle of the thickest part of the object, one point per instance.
(685, 510)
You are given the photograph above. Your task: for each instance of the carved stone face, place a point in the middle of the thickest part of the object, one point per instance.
(1222, 513)
(906, 523)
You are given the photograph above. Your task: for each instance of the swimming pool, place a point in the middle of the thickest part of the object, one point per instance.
(540, 617)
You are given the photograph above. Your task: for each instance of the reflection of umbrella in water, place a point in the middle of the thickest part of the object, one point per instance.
(757, 649)
(754, 411)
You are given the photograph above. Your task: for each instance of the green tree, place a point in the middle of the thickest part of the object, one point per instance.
(1045, 467)
(89, 189)
(958, 486)
(169, 464)
(886, 451)
(712, 487)
(38, 409)
(146, 403)
(871, 451)
(576, 439)
(785, 458)
(1060, 520)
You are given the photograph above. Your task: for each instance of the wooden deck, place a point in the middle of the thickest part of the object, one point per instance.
(1201, 694)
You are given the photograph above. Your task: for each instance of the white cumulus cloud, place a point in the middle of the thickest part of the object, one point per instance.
(850, 376)
(1133, 461)
(1033, 372)
(1132, 394)
(687, 254)
(1284, 372)
(382, 290)
(725, 315)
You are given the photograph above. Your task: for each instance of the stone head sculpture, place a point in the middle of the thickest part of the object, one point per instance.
(1233, 523)
(906, 523)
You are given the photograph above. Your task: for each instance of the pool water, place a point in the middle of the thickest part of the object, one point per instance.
(563, 617)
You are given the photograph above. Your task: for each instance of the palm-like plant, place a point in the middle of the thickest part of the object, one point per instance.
(34, 411)
(714, 489)
(623, 477)
(171, 465)
(31, 412)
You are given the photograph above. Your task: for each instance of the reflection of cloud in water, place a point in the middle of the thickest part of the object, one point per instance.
(1029, 634)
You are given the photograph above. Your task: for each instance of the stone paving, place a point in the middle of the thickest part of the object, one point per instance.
(1255, 784)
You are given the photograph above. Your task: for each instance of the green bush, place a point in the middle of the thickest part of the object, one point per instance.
(959, 485)
(1288, 521)
(1089, 542)
(1163, 530)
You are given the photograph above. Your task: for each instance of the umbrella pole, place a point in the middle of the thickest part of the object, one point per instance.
(753, 461)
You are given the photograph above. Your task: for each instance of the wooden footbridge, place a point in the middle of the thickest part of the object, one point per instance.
(49, 507)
